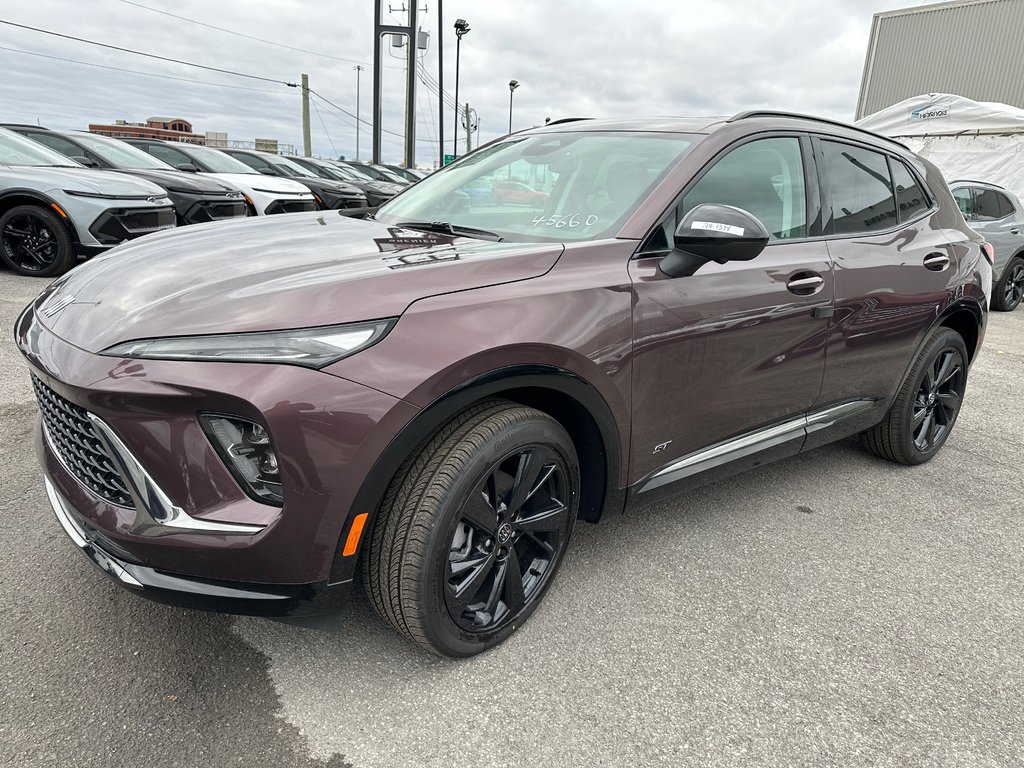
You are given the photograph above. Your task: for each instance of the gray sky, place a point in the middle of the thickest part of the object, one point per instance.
(572, 57)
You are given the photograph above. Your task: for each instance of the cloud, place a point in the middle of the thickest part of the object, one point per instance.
(599, 58)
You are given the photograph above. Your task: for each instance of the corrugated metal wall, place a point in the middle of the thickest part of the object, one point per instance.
(973, 49)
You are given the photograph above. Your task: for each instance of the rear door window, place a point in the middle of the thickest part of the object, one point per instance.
(988, 204)
(861, 189)
(910, 198)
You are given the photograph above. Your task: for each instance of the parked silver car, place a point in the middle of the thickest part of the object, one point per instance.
(53, 210)
(997, 214)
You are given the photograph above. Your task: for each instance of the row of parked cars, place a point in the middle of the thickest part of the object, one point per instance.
(71, 194)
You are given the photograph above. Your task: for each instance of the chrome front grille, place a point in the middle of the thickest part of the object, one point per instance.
(73, 437)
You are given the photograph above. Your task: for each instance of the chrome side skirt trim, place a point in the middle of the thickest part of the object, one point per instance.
(751, 443)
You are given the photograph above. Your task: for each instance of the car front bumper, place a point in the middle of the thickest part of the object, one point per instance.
(188, 533)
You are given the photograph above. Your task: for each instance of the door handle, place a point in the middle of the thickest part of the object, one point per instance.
(1015, 231)
(805, 283)
(936, 262)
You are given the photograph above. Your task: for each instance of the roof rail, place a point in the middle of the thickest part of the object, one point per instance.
(23, 125)
(797, 116)
(975, 181)
(561, 120)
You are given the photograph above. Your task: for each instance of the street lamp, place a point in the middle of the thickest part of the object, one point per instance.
(461, 28)
(512, 85)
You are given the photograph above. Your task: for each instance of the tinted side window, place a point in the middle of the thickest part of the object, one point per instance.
(986, 204)
(63, 146)
(170, 156)
(910, 198)
(965, 201)
(1005, 206)
(862, 198)
(765, 178)
(253, 162)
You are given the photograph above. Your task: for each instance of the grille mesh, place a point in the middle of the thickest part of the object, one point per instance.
(74, 438)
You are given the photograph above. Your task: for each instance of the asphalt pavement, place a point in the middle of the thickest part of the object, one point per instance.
(828, 610)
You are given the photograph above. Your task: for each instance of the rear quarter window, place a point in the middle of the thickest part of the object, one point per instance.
(910, 198)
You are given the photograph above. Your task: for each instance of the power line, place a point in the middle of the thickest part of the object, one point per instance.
(362, 122)
(148, 55)
(137, 72)
(247, 37)
(320, 118)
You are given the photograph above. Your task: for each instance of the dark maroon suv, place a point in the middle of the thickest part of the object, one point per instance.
(246, 416)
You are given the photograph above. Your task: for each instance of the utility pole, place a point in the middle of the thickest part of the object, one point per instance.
(307, 149)
(461, 28)
(440, 83)
(409, 31)
(358, 68)
(469, 131)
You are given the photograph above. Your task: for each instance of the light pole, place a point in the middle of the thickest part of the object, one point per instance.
(461, 28)
(358, 69)
(512, 85)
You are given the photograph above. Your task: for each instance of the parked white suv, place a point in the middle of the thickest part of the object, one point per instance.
(264, 194)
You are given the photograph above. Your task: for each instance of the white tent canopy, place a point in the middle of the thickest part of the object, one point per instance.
(976, 140)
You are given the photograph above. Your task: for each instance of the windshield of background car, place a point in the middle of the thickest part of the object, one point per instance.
(218, 162)
(294, 169)
(17, 150)
(119, 154)
(550, 186)
(355, 175)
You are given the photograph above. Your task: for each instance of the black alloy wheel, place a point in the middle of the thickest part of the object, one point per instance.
(1010, 290)
(938, 399)
(473, 528)
(33, 241)
(507, 538)
(922, 416)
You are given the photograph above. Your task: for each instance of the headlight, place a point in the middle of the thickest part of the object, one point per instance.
(309, 347)
(245, 448)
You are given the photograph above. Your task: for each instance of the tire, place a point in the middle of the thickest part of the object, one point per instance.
(444, 551)
(33, 241)
(928, 403)
(1009, 289)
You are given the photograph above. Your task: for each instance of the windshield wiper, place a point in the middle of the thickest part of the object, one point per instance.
(446, 227)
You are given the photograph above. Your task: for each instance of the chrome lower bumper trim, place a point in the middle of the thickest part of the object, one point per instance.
(78, 535)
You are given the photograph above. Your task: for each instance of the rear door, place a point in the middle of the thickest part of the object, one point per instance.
(894, 269)
(992, 215)
(736, 348)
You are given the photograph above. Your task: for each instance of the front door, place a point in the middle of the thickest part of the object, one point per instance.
(736, 348)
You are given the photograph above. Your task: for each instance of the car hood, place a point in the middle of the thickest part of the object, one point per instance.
(291, 271)
(181, 181)
(88, 180)
(273, 184)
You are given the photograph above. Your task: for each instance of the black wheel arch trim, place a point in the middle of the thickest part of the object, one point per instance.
(959, 306)
(47, 202)
(502, 382)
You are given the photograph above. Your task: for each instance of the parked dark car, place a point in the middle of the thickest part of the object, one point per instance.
(377, 192)
(376, 172)
(329, 193)
(411, 175)
(244, 418)
(196, 198)
(997, 215)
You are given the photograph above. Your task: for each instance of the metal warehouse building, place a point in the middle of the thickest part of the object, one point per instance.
(972, 48)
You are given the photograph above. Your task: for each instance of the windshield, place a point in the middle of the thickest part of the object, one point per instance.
(218, 162)
(371, 173)
(351, 173)
(328, 171)
(293, 169)
(391, 175)
(545, 187)
(119, 154)
(17, 150)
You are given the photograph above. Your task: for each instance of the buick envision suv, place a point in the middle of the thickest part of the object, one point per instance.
(432, 399)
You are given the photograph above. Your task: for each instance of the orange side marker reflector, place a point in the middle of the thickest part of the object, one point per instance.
(352, 542)
(57, 208)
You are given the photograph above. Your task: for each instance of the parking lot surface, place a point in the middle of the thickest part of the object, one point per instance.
(828, 610)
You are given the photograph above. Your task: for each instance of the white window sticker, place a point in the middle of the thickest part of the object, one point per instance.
(714, 226)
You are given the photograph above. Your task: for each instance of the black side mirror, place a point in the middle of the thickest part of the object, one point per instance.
(187, 167)
(269, 171)
(88, 162)
(712, 232)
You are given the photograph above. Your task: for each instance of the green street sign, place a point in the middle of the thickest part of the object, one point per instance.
(449, 159)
